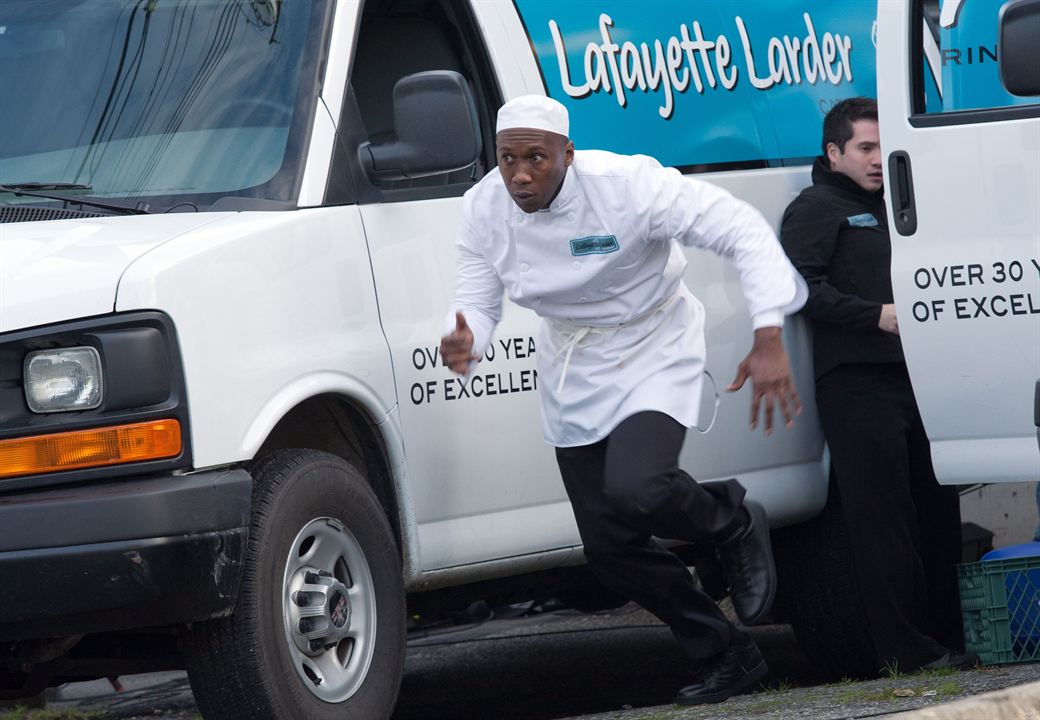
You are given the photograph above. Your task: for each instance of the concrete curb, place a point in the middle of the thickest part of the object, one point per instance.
(1015, 703)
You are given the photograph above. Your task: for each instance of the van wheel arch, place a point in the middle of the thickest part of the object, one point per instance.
(340, 426)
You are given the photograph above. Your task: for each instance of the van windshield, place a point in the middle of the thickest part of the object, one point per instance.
(177, 101)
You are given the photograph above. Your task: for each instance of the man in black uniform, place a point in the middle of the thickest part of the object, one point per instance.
(903, 526)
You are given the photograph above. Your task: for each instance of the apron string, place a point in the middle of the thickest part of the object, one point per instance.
(580, 332)
(576, 337)
(715, 410)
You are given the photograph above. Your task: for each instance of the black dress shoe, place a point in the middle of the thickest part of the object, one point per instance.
(957, 661)
(748, 562)
(738, 668)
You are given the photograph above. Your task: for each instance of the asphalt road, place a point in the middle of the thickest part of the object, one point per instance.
(560, 665)
(566, 665)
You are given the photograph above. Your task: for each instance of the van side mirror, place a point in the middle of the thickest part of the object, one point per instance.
(435, 129)
(1018, 50)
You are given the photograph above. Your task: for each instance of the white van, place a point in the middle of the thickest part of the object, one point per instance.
(226, 250)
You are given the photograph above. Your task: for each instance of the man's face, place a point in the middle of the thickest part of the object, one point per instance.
(861, 159)
(533, 164)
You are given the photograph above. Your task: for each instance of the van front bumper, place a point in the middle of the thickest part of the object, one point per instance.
(130, 553)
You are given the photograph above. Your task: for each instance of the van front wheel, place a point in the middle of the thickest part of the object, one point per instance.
(319, 627)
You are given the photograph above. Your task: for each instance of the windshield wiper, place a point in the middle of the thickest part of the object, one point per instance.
(49, 186)
(29, 189)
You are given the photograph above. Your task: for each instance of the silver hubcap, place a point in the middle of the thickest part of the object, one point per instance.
(329, 610)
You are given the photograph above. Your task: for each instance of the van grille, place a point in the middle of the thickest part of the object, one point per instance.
(15, 213)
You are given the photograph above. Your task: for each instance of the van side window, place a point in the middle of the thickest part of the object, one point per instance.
(397, 38)
(960, 70)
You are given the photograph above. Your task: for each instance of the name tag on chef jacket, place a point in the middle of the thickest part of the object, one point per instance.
(863, 220)
(594, 245)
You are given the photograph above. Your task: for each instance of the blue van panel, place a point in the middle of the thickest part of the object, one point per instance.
(702, 83)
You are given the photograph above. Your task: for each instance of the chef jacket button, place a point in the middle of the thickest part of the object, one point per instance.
(524, 267)
(577, 265)
(570, 216)
(583, 299)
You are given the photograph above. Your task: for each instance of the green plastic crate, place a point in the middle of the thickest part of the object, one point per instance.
(1000, 603)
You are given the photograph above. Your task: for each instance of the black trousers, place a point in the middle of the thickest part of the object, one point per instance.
(904, 528)
(627, 488)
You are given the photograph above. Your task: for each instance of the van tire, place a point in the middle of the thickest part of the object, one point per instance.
(818, 594)
(311, 511)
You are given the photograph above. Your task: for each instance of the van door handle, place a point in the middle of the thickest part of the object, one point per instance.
(1036, 411)
(904, 210)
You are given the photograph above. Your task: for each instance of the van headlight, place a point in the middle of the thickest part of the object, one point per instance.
(63, 379)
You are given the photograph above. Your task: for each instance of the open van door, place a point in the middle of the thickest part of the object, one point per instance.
(959, 98)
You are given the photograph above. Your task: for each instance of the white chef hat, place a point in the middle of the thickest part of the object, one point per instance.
(534, 111)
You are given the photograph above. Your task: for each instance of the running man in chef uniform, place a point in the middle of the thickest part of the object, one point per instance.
(590, 240)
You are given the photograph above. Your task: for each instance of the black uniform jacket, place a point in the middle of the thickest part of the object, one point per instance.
(836, 234)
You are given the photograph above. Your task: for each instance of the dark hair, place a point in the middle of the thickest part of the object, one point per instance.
(837, 126)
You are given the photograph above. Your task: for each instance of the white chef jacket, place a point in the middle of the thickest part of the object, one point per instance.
(603, 268)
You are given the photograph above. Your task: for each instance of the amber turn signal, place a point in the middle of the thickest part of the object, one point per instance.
(90, 448)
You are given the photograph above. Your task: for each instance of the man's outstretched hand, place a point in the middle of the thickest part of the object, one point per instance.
(771, 380)
(457, 346)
